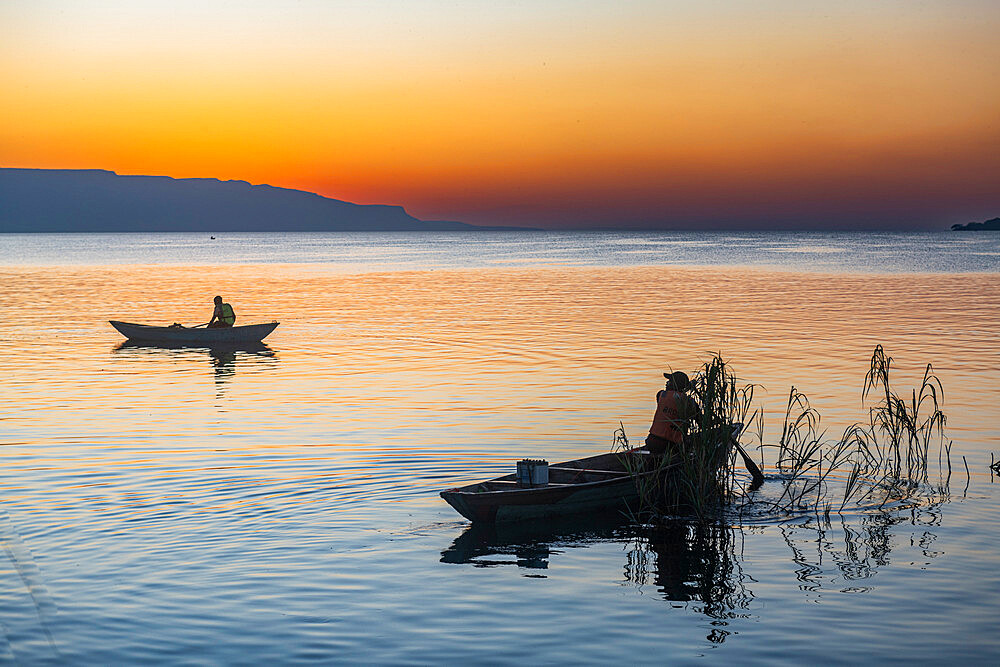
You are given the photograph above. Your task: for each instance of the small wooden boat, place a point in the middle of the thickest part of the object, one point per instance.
(252, 333)
(596, 484)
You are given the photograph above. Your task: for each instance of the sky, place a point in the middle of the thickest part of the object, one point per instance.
(627, 114)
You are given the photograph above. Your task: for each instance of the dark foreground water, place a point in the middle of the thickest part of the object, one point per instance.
(280, 504)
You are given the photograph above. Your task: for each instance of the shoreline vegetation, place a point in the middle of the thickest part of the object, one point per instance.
(889, 458)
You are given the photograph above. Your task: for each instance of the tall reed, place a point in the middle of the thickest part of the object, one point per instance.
(696, 476)
(888, 458)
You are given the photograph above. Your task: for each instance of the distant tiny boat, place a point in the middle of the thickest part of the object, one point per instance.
(252, 333)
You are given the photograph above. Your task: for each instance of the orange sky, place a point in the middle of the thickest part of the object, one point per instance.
(573, 113)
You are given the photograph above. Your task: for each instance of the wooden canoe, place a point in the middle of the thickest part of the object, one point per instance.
(596, 484)
(252, 333)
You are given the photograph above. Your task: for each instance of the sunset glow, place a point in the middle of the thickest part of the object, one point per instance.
(574, 114)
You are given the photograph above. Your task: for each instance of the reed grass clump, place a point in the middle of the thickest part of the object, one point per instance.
(696, 477)
(886, 458)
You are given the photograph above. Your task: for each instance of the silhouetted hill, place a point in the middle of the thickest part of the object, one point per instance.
(94, 200)
(992, 225)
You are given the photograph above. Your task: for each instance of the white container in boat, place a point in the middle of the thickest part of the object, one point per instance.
(532, 472)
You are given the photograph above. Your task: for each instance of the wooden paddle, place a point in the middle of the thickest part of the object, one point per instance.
(758, 476)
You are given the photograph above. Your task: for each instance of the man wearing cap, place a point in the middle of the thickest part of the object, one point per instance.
(674, 412)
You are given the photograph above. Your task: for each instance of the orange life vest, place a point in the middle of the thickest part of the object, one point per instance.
(667, 423)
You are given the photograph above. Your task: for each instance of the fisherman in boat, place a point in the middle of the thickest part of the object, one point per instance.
(223, 316)
(675, 410)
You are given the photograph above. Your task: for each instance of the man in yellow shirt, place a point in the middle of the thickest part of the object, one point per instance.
(223, 316)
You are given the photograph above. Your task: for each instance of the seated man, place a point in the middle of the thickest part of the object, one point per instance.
(223, 316)
(674, 412)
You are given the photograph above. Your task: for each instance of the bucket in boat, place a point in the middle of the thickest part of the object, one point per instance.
(532, 472)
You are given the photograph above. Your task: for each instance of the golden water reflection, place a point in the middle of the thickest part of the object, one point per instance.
(536, 355)
(383, 388)
(223, 358)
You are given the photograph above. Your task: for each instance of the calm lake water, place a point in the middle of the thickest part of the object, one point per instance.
(280, 504)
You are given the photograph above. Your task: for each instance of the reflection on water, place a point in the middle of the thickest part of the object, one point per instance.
(697, 566)
(526, 545)
(846, 555)
(223, 357)
(693, 564)
(194, 502)
(702, 568)
(475, 546)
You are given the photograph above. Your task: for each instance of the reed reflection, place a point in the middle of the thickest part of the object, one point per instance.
(223, 358)
(701, 566)
(693, 563)
(846, 555)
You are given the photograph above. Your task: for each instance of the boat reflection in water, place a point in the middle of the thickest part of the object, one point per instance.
(528, 546)
(700, 567)
(687, 562)
(223, 358)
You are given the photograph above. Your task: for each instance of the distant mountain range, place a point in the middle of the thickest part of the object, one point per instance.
(989, 225)
(94, 200)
